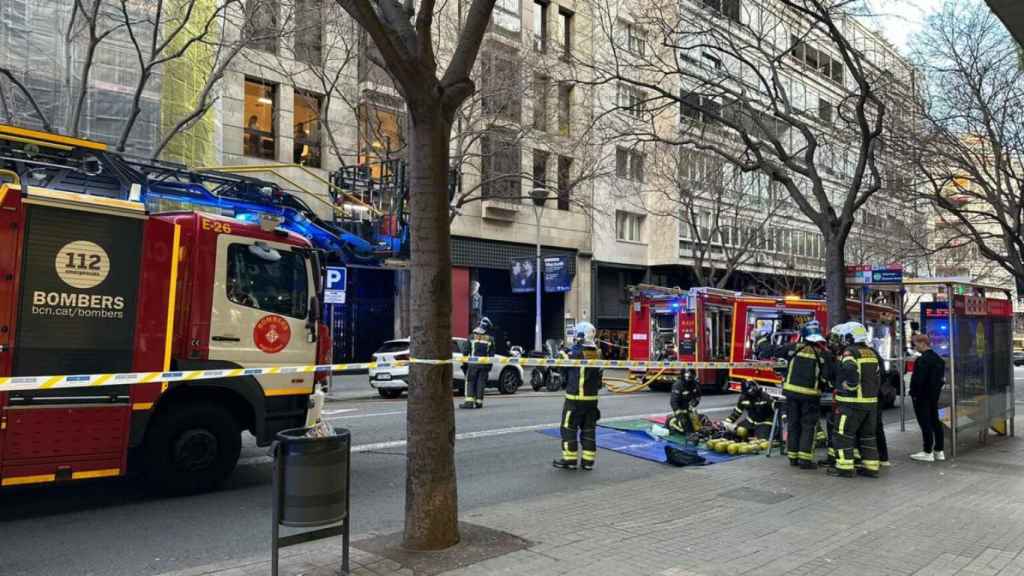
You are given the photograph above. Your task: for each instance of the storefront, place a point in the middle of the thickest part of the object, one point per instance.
(489, 279)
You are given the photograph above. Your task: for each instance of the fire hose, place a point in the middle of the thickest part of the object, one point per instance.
(628, 386)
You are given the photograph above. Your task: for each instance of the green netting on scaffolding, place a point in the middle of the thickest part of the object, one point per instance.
(184, 81)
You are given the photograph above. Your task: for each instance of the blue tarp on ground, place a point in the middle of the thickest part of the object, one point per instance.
(640, 444)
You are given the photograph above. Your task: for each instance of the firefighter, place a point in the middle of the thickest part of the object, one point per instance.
(763, 343)
(755, 409)
(481, 345)
(685, 398)
(835, 345)
(858, 379)
(580, 413)
(806, 368)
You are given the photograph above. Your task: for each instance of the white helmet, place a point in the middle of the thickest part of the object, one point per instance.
(858, 333)
(840, 331)
(586, 332)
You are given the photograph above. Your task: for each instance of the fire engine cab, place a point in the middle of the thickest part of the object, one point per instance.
(95, 285)
(714, 325)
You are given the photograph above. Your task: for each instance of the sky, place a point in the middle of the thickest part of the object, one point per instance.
(899, 20)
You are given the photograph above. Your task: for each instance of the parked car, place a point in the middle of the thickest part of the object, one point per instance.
(1018, 357)
(506, 378)
(391, 381)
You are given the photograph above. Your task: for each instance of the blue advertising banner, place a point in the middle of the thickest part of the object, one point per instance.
(524, 275)
(556, 274)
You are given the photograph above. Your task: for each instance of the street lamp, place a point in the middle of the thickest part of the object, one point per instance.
(539, 198)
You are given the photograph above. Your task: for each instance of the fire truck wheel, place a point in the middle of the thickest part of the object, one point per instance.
(192, 448)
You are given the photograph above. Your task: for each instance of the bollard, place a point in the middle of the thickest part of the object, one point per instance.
(311, 490)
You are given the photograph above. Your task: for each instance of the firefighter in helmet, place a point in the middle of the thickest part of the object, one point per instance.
(684, 400)
(580, 413)
(763, 342)
(481, 345)
(753, 413)
(807, 371)
(858, 380)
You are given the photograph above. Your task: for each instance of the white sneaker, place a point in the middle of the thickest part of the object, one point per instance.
(940, 456)
(923, 457)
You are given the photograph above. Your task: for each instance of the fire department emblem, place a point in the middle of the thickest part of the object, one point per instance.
(272, 334)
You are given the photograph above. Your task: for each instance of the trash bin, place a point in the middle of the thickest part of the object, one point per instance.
(311, 488)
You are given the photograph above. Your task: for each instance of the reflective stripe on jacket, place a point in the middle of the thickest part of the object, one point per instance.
(583, 383)
(804, 372)
(860, 376)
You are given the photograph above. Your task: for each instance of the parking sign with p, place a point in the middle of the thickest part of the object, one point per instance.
(334, 286)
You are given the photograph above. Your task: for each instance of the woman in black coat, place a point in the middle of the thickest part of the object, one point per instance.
(925, 388)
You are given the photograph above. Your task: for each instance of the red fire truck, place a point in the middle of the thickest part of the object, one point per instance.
(714, 325)
(92, 285)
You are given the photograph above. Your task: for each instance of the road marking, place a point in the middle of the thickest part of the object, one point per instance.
(365, 415)
(257, 460)
(340, 411)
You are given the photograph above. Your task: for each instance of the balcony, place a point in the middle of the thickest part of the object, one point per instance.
(504, 209)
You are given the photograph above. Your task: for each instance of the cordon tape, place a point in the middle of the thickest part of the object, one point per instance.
(22, 383)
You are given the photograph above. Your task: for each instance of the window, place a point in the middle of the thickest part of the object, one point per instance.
(629, 226)
(506, 16)
(698, 108)
(261, 23)
(307, 129)
(381, 132)
(501, 165)
(629, 164)
(540, 103)
(824, 110)
(564, 182)
(256, 280)
(309, 32)
(260, 103)
(819, 60)
(540, 177)
(631, 100)
(837, 72)
(500, 92)
(636, 38)
(540, 26)
(565, 109)
(728, 8)
(712, 62)
(566, 17)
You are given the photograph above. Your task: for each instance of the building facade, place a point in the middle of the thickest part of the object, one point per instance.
(545, 152)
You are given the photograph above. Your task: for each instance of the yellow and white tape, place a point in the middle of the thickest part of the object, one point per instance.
(23, 383)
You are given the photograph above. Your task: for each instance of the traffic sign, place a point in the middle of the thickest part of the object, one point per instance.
(334, 285)
(887, 276)
(861, 274)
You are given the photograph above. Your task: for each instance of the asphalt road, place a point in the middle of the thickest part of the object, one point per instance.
(108, 528)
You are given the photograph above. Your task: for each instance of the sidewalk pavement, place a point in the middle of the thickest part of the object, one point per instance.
(752, 516)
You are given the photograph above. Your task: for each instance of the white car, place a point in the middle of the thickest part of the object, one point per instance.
(391, 381)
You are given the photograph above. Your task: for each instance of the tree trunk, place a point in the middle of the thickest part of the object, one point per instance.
(835, 279)
(431, 497)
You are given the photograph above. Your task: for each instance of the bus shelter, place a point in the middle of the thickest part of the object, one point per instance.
(971, 327)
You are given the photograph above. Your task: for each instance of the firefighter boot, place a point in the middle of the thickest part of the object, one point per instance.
(840, 473)
(564, 464)
(867, 473)
(587, 465)
(468, 405)
(808, 465)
